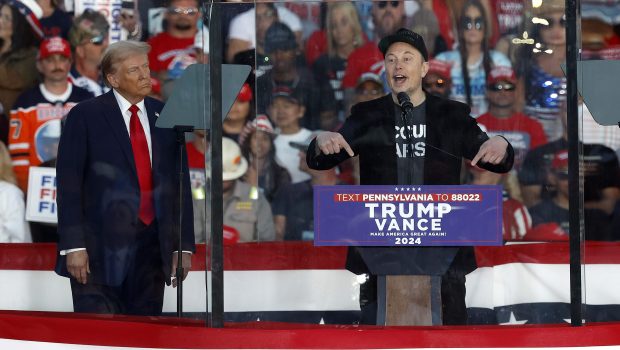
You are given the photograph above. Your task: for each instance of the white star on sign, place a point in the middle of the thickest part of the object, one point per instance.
(513, 320)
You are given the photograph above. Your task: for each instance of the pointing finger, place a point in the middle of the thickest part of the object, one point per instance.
(348, 149)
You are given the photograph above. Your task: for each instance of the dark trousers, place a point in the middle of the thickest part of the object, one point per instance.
(140, 293)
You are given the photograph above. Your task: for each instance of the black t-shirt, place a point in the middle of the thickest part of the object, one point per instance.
(328, 72)
(601, 168)
(547, 211)
(296, 202)
(57, 24)
(410, 144)
(597, 224)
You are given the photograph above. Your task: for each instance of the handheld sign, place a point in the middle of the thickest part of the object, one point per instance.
(41, 201)
(408, 215)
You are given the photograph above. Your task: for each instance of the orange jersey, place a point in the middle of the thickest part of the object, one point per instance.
(35, 127)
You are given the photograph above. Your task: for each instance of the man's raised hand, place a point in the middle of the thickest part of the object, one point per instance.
(492, 151)
(331, 143)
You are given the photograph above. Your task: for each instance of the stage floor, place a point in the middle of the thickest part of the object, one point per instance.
(51, 330)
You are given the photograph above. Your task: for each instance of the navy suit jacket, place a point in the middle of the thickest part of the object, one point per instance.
(99, 195)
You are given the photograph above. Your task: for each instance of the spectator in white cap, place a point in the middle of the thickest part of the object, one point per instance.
(245, 209)
(20, 34)
(369, 87)
(257, 146)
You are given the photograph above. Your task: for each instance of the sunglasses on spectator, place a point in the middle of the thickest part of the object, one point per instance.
(561, 174)
(439, 83)
(553, 22)
(97, 40)
(469, 23)
(383, 4)
(183, 10)
(502, 87)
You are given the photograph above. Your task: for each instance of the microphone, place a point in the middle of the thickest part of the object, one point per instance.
(407, 106)
(405, 102)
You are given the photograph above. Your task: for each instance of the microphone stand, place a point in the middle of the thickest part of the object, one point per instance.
(408, 131)
(180, 131)
(405, 103)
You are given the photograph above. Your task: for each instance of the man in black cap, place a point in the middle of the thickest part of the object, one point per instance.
(282, 49)
(420, 145)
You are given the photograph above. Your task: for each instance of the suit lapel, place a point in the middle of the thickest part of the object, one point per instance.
(114, 117)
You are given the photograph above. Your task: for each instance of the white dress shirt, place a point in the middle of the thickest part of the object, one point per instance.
(124, 105)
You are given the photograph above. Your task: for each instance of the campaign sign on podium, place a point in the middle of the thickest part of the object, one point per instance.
(408, 215)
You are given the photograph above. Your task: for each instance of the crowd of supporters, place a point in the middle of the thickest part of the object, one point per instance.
(311, 62)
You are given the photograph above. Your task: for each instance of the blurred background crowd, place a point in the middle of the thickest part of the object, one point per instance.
(311, 62)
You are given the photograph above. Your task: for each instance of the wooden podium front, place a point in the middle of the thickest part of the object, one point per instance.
(408, 283)
(408, 300)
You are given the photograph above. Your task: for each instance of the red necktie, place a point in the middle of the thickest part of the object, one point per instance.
(143, 166)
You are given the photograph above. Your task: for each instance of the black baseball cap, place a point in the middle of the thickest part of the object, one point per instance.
(279, 37)
(404, 35)
(287, 92)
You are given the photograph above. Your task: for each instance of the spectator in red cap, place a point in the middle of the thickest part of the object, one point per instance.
(598, 222)
(523, 132)
(36, 119)
(20, 34)
(240, 113)
(36, 116)
(437, 80)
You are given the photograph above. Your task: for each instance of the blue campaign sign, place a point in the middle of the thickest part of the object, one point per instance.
(464, 215)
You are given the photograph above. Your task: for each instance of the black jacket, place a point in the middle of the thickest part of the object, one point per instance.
(451, 134)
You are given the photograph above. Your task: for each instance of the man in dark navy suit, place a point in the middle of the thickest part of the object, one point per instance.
(117, 190)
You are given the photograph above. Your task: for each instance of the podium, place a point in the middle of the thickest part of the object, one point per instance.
(414, 239)
(408, 283)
